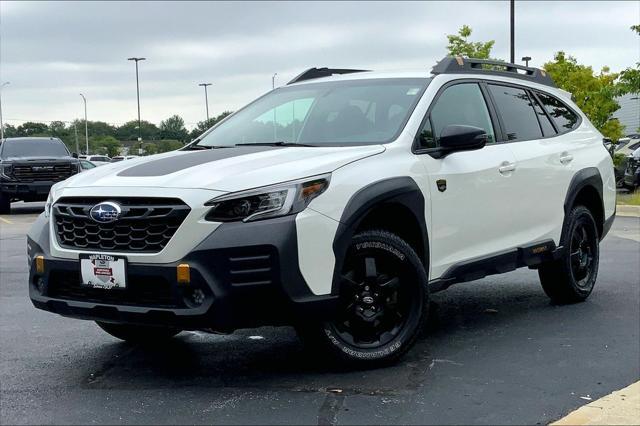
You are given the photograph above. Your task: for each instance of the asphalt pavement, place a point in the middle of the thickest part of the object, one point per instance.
(495, 352)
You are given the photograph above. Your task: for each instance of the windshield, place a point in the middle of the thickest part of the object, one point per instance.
(33, 148)
(342, 113)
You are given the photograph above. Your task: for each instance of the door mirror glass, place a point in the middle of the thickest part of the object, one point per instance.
(457, 137)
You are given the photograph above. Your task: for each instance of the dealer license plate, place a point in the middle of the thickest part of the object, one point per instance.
(103, 271)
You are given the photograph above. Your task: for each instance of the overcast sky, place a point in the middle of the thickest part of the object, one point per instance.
(52, 51)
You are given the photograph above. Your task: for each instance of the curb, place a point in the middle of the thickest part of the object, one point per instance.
(625, 210)
(618, 408)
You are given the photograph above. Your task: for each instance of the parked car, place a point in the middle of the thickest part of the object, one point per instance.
(99, 160)
(117, 158)
(632, 171)
(339, 215)
(626, 146)
(30, 166)
(87, 165)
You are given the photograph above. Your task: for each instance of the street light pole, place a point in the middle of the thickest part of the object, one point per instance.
(86, 127)
(526, 59)
(273, 81)
(513, 36)
(138, 95)
(206, 98)
(1, 123)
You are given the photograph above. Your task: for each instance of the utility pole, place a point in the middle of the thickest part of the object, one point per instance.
(86, 127)
(138, 95)
(206, 98)
(1, 123)
(513, 31)
(526, 60)
(273, 81)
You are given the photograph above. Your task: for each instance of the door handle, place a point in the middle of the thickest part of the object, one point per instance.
(566, 158)
(506, 168)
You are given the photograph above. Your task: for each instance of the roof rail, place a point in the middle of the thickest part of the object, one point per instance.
(312, 73)
(460, 65)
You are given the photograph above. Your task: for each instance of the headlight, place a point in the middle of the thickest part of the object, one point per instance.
(269, 201)
(6, 170)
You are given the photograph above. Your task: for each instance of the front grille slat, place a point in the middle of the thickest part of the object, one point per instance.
(133, 232)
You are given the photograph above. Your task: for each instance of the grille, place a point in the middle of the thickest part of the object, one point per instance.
(146, 224)
(43, 172)
(140, 291)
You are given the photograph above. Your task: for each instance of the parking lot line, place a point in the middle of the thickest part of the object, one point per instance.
(6, 220)
(619, 408)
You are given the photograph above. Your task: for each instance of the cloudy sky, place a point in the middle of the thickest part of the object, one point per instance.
(52, 51)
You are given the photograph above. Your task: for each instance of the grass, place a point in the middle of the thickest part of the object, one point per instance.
(629, 199)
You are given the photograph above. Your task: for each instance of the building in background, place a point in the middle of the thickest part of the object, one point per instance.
(629, 113)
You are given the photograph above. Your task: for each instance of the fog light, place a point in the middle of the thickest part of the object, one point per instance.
(194, 298)
(183, 273)
(40, 264)
(40, 284)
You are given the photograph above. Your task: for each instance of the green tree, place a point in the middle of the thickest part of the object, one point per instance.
(593, 93)
(167, 145)
(129, 131)
(31, 128)
(173, 128)
(205, 125)
(107, 145)
(630, 77)
(460, 45)
(10, 131)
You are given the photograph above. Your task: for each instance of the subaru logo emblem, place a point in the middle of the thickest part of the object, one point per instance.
(105, 212)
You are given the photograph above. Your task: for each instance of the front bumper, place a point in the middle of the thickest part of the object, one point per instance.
(247, 272)
(28, 191)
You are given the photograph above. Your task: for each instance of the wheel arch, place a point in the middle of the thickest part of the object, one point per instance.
(586, 189)
(396, 205)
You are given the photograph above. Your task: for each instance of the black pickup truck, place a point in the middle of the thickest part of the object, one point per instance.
(30, 166)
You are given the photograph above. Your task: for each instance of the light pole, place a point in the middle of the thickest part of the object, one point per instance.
(86, 127)
(526, 60)
(138, 95)
(513, 32)
(273, 81)
(206, 97)
(1, 123)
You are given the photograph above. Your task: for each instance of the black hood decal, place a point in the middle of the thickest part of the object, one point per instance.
(168, 165)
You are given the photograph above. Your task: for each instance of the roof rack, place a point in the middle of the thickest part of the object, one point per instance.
(460, 65)
(312, 73)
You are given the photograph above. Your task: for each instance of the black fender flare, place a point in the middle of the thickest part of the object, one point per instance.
(588, 177)
(398, 190)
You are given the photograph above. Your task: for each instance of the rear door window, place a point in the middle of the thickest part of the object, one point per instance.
(518, 115)
(564, 118)
(545, 122)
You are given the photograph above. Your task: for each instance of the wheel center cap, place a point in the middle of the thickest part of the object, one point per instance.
(368, 300)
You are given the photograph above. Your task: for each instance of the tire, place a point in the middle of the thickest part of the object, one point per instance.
(5, 204)
(382, 308)
(571, 278)
(138, 333)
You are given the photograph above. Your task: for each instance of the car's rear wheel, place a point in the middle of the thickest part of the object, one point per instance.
(382, 307)
(571, 278)
(138, 333)
(5, 204)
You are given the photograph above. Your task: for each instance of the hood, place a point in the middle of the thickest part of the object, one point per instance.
(31, 159)
(223, 169)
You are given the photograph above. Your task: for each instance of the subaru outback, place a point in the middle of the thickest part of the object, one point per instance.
(335, 204)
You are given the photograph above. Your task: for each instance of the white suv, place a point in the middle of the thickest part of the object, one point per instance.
(335, 204)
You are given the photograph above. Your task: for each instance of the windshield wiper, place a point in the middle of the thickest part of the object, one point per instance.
(197, 147)
(279, 143)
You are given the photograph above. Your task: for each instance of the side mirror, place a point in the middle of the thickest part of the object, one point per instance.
(456, 137)
(74, 154)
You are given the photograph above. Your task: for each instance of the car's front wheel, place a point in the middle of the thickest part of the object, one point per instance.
(571, 278)
(382, 306)
(138, 333)
(5, 204)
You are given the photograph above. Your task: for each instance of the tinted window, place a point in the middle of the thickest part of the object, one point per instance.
(516, 110)
(33, 148)
(545, 123)
(565, 118)
(459, 104)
